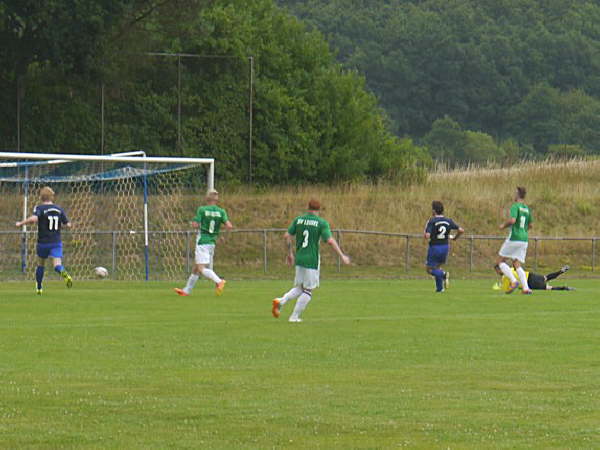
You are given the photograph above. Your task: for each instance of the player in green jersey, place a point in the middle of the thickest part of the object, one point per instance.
(208, 221)
(308, 230)
(515, 246)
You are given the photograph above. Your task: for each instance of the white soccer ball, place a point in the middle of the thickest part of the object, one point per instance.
(101, 272)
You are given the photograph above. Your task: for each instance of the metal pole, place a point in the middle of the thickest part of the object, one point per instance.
(146, 245)
(471, 254)
(535, 253)
(18, 114)
(407, 254)
(114, 252)
(179, 102)
(102, 119)
(593, 254)
(250, 113)
(24, 228)
(339, 259)
(265, 268)
(187, 251)
(211, 175)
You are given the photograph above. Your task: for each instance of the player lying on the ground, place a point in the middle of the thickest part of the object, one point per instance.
(535, 280)
(49, 218)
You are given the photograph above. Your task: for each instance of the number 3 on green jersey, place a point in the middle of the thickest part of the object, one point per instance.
(309, 230)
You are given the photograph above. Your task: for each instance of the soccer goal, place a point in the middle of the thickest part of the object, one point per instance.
(130, 212)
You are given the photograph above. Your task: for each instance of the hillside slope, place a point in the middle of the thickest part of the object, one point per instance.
(564, 197)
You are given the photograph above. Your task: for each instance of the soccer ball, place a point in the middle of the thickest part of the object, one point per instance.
(101, 272)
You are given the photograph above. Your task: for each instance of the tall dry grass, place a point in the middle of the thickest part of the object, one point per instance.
(564, 197)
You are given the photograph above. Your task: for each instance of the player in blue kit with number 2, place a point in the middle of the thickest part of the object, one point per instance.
(437, 231)
(50, 219)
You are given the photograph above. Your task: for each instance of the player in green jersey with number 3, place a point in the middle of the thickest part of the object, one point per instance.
(515, 246)
(208, 222)
(308, 229)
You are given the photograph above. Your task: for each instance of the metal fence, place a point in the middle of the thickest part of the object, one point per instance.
(261, 252)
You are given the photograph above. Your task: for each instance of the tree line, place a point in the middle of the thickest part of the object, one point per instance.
(475, 80)
(78, 76)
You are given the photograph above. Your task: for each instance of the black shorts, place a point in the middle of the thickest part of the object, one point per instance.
(536, 281)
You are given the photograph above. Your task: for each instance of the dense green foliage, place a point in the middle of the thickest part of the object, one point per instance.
(522, 71)
(79, 73)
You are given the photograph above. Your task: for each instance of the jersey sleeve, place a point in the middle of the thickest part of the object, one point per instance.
(514, 211)
(36, 211)
(292, 228)
(453, 225)
(224, 217)
(325, 231)
(198, 217)
(63, 217)
(429, 227)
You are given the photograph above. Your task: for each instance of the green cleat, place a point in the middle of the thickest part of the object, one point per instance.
(67, 278)
(38, 291)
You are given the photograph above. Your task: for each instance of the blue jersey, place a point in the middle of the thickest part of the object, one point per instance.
(50, 220)
(439, 228)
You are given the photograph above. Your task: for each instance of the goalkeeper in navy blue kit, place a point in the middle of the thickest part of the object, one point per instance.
(437, 231)
(50, 218)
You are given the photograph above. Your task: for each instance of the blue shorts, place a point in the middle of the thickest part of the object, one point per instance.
(54, 250)
(436, 255)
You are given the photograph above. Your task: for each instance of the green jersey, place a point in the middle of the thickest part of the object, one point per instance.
(521, 213)
(209, 218)
(309, 231)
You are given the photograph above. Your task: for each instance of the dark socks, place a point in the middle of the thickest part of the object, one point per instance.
(59, 268)
(439, 279)
(39, 276)
(553, 275)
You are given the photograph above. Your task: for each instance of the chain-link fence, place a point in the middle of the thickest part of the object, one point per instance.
(261, 253)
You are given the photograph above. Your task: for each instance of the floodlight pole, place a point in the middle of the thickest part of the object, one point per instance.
(18, 113)
(250, 112)
(250, 95)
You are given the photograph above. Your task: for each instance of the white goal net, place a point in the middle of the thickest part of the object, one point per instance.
(130, 213)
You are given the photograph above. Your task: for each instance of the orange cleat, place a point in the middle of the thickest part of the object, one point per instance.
(181, 292)
(220, 287)
(276, 309)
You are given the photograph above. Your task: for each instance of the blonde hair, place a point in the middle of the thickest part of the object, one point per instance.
(47, 194)
(212, 194)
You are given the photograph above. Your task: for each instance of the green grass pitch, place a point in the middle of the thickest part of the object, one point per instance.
(376, 364)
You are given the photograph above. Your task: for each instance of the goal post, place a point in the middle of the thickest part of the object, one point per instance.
(119, 195)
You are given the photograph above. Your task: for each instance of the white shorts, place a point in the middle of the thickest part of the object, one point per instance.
(514, 250)
(204, 254)
(307, 278)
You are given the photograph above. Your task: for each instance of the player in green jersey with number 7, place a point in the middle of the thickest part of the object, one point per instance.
(208, 221)
(515, 246)
(309, 230)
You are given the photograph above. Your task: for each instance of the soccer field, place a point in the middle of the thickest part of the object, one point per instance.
(375, 364)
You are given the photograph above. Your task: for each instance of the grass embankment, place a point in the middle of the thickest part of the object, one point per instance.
(564, 197)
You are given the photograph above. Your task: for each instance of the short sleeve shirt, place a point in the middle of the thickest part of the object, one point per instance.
(209, 218)
(309, 230)
(519, 230)
(439, 229)
(51, 218)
